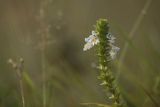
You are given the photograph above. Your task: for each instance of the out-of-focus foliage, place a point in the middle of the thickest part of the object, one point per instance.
(71, 74)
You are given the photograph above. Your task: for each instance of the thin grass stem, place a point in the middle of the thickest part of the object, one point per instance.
(22, 92)
(135, 27)
(19, 69)
(43, 71)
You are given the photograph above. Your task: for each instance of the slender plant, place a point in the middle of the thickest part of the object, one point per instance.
(106, 52)
(19, 68)
(44, 33)
(131, 34)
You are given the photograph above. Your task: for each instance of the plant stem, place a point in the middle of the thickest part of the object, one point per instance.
(44, 33)
(132, 33)
(22, 91)
(19, 69)
(43, 70)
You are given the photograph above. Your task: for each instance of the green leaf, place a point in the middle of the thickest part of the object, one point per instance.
(95, 104)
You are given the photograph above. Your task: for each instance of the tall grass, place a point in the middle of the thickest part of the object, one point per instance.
(18, 67)
(131, 34)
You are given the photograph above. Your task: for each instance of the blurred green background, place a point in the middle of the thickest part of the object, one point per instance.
(71, 74)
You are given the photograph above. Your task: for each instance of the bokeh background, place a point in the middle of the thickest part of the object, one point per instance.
(49, 36)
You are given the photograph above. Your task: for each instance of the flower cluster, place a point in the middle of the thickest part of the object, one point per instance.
(91, 41)
(114, 49)
(94, 40)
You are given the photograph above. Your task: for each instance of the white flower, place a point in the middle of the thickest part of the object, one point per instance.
(91, 41)
(111, 38)
(113, 51)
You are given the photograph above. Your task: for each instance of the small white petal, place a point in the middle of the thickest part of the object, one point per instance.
(115, 48)
(95, 41)
(94, 33)
(114, 51)
(87, 46)
(90, 38)
(111, 38)
(86, 39)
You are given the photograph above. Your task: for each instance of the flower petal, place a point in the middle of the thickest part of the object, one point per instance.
(91, 41)
(87, 46)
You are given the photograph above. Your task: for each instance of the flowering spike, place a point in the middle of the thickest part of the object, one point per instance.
(106, 53)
